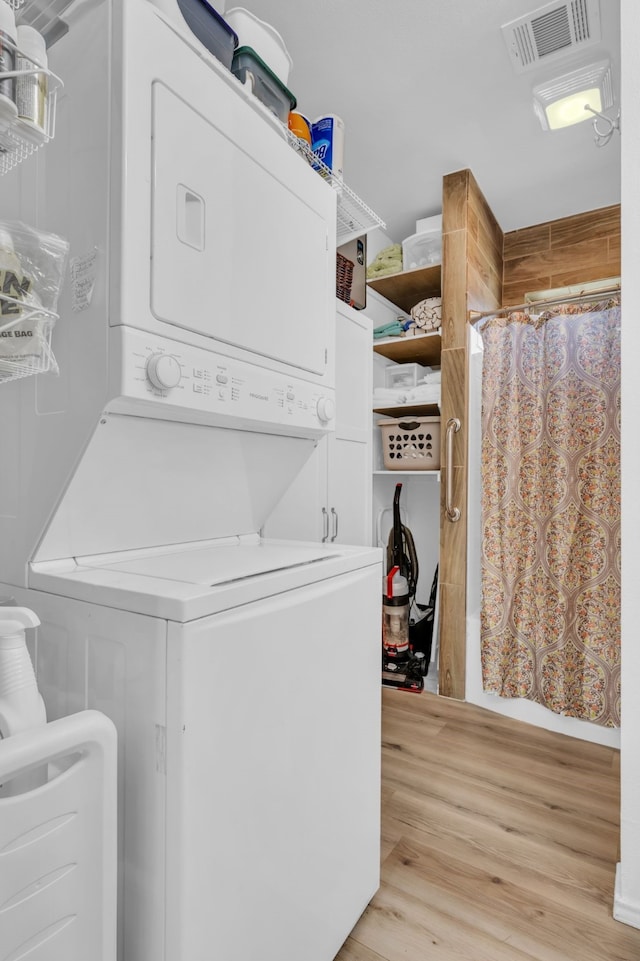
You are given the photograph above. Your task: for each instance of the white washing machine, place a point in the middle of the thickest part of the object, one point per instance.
(242, 673)
(243, 679)
(196, 376)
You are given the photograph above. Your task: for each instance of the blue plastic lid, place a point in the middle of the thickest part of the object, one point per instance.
(214, 13)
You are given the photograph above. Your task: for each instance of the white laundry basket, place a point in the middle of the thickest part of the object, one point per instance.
(58, 845)
(411, 443)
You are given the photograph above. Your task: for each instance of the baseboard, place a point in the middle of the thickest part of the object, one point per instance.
(623, 910)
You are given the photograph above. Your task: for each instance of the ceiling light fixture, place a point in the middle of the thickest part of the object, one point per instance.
(579, 95)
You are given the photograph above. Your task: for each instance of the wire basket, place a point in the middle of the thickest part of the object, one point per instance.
(38, 358)
(344, 277)
(20, 138)
(39, 362)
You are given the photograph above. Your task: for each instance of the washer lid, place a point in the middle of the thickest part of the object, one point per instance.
(190, 581)
(225, 563)
(144, 483)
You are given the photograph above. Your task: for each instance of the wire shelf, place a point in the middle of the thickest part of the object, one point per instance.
(354, 216)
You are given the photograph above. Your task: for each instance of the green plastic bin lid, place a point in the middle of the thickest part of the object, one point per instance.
(249, 51)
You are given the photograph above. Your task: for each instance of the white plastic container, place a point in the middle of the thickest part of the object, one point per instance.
(422, 250)
(21, 706)
(427, 224)
(263, 38)
(399, 376)
(60, 844)
(32, 88)
(8, 43)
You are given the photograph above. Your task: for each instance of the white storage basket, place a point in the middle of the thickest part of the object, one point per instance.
(411, 443)
(422, 250)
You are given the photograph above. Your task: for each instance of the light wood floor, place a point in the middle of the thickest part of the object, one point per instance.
(499, 842)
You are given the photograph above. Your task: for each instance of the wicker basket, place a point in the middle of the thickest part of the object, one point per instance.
(411, 443)
(344, 277)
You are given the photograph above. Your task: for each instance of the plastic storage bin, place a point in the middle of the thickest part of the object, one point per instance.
(411, 443)
(403, 375)
(69, 822)
(263, 38)
(422, 250)
(248, 66)
(428, 224)
(211, 30)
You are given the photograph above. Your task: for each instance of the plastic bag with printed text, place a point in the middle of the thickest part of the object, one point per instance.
(32, 265)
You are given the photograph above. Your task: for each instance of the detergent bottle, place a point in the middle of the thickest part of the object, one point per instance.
(395, 615)
(21, 706)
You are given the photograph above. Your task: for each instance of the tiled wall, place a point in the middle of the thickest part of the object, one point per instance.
(573, 250)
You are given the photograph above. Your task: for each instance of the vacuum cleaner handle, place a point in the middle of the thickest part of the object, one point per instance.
(397, 528)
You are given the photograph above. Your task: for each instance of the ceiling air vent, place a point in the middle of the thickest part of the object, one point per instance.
(552, 33)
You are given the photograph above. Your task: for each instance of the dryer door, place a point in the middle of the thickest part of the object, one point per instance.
(238, 253)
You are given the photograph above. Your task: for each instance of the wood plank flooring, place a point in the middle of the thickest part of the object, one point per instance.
(499, 842)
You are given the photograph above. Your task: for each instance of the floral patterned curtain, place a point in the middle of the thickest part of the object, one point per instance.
(550, 619)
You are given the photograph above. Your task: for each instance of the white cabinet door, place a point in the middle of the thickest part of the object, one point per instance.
(354, 374)
(349, 454)
(330, 499)
(298, 516)
(349, 492)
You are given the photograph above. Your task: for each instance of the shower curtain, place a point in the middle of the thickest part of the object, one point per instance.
(550, 615)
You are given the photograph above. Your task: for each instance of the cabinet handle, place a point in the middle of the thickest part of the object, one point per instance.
(325, 525)
(334, 514)
(453, 513)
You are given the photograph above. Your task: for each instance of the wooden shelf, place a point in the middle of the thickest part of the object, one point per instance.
(419, 349)
(409, 287)
(409, 410)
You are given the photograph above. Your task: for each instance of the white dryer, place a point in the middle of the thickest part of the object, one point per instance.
(196, 377)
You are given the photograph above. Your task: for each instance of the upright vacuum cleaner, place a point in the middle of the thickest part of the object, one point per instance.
(407, 626)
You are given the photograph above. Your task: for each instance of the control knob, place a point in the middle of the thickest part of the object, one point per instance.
(164, 371)
(325, 409)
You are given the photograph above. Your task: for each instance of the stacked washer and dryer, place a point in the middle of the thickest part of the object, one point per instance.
(196, 377)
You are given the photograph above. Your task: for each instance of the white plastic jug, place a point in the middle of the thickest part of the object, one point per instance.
(21, 706)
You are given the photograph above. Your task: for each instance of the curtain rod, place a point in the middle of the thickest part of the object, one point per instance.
(569, 299)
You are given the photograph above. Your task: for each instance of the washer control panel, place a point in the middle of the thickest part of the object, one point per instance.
(178, 375)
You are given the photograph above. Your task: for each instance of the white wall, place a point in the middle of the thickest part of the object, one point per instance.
(627, 896)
